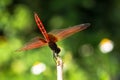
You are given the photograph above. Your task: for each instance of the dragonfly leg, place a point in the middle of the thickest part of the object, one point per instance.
(55, 56)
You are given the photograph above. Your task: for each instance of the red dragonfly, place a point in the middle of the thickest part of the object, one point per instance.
(50, 38)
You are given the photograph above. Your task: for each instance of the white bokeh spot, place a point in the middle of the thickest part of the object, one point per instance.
(106, 45)
(38, 68)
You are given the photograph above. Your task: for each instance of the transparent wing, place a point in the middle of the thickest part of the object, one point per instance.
(63, 33)
(34, 43)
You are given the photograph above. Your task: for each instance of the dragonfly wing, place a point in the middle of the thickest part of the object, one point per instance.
(34, 43)
(41, 27)
(63, 33)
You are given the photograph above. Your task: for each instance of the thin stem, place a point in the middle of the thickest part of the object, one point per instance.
(59, 68)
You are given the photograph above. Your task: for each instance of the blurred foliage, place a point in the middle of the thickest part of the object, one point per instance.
(82, 57)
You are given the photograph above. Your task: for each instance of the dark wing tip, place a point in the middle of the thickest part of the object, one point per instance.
(87, 24)
(35, 13)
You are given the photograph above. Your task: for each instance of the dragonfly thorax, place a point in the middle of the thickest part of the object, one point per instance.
(52, 38)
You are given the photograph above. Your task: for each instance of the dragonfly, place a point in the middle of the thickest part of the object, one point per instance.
(52, 37)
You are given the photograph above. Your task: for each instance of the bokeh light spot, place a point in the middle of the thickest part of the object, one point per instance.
(18, 67)
(38, 68)
(86, 50)
(106, 45)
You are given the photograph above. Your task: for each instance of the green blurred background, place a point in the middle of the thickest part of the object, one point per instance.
(92, 54)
